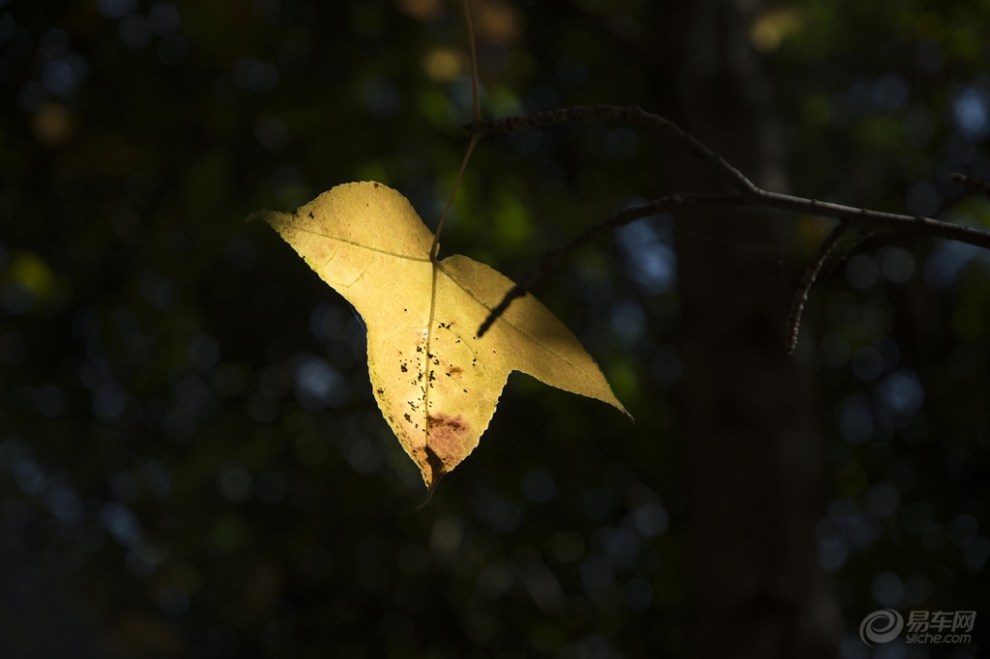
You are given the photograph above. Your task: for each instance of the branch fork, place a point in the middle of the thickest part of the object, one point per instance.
(867, 221)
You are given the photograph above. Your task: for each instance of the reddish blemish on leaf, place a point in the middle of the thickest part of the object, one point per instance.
(445, 437)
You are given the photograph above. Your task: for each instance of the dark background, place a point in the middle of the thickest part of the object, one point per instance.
(191, 461)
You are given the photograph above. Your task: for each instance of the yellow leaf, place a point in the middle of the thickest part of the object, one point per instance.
(435, 381)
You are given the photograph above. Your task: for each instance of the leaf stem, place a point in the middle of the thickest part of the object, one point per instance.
(435, 247)
(473, 49)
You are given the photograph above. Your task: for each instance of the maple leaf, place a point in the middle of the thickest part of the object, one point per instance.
(437, 383)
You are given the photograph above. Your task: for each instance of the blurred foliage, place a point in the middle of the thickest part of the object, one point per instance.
(191, 462)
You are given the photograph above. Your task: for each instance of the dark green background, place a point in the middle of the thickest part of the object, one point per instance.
(191, 461)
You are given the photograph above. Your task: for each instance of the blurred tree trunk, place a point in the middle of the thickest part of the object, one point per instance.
(749, 411)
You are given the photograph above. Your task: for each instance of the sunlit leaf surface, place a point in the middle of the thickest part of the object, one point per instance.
(435, 380)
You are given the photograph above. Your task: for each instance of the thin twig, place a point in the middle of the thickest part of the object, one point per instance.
(435, 247)
(475, 138)
(827, 255)
(631, 114)
(473, 46)
(825, 251)
(975, 184)
(614, 221)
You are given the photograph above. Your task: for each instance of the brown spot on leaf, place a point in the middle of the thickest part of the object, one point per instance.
(444, 438)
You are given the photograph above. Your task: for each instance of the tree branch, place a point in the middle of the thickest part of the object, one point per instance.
(747, 194)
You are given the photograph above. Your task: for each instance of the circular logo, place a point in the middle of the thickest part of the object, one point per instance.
(881, 627)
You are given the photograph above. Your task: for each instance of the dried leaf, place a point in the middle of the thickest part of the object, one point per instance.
(435, 381)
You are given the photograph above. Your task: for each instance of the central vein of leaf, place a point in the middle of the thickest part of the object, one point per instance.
(428, 355)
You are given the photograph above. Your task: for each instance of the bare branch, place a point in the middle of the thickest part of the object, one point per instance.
(865, 217)
(747, 194)
(614, 221)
